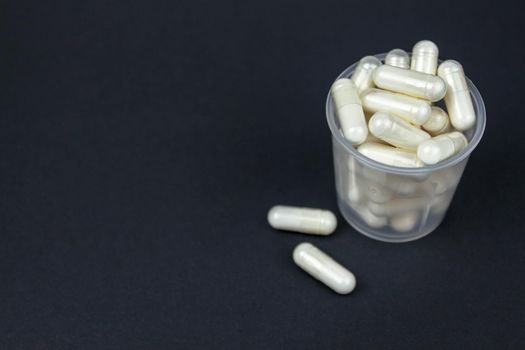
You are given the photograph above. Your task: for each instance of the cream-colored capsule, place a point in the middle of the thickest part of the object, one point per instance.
(370, 218)
(425, 57)
(396, 131)
(397, 206)
(323, 268)
(457, 99)
(398, 58)
(362, 76)
(410, 82)
(441, 147)
(390, 155)
(404, 222)
(438, 123)
(349, 110)
(304, 220)
(411, 109)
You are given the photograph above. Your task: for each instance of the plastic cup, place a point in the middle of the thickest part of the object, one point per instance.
(395, 204)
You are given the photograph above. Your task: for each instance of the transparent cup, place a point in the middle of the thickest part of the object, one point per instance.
(395, 204)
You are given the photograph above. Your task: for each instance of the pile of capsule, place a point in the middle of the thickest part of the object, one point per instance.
(387, 112)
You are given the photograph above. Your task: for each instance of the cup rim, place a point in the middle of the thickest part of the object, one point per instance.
(479, 106)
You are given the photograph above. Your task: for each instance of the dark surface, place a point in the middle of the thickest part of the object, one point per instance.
(142, 143)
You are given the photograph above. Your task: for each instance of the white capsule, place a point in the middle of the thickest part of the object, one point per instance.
(457, 99)
(323, 268)
(441, 147)
(404, 222)
(390, 155)
(438, 123)
(353, 190)
(410, 82)
(397, 206)
(396, 131)
(411, 109)
(372, 220)
(349, 110)
(425, 57)
(398, 58)
(362, 76)
(304, 220)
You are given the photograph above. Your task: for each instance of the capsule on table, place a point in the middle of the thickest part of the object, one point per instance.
(425, 57)
(323, 268)
(398, 58)
(396, 131)
(362, 76)
(411, 109)
(303, 220)
(390, 155)
(410, 82)
(457, 99)
(438, 123)
(441, 147)
(349, 111)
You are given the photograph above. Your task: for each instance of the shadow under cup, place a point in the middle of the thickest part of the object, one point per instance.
(395, 204)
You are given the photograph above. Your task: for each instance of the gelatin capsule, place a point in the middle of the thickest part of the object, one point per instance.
(303, 220)
(410, 82)
(323, 268)
(349, 111)
(390, 155)
(438, 123)
(398, 58)
(411, 109)
(441, 147)
(457, 99)
(362, 76)
(396, 131)
(425, 57)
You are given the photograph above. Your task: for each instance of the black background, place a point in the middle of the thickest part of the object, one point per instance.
(142, 143)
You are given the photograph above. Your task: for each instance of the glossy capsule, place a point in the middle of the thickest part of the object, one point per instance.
(396, 131)
(362, 76)
(349, 111)
(303, 220)
(398, 58)
(438, 123)
(411, 109)
(410, 82)
(323, 268)
(390, 155)
(457, 99)
(425, 57)
(441, 147)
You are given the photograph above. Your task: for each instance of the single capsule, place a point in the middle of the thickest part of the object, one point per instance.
(323, 268)
(304, 220)
(372, 220)
(362, 76)
(404, 222)
(349, 111)
(396, 131)
(398, 58)
(425, 57)
(411, 109)
(390, 155)
(410, 82)
(397, 206)
(441, 147)
(353, 190)
(457, 99)
(438, 123)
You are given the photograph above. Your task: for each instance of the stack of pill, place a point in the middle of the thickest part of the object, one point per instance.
(387, 112)
(407, 112)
